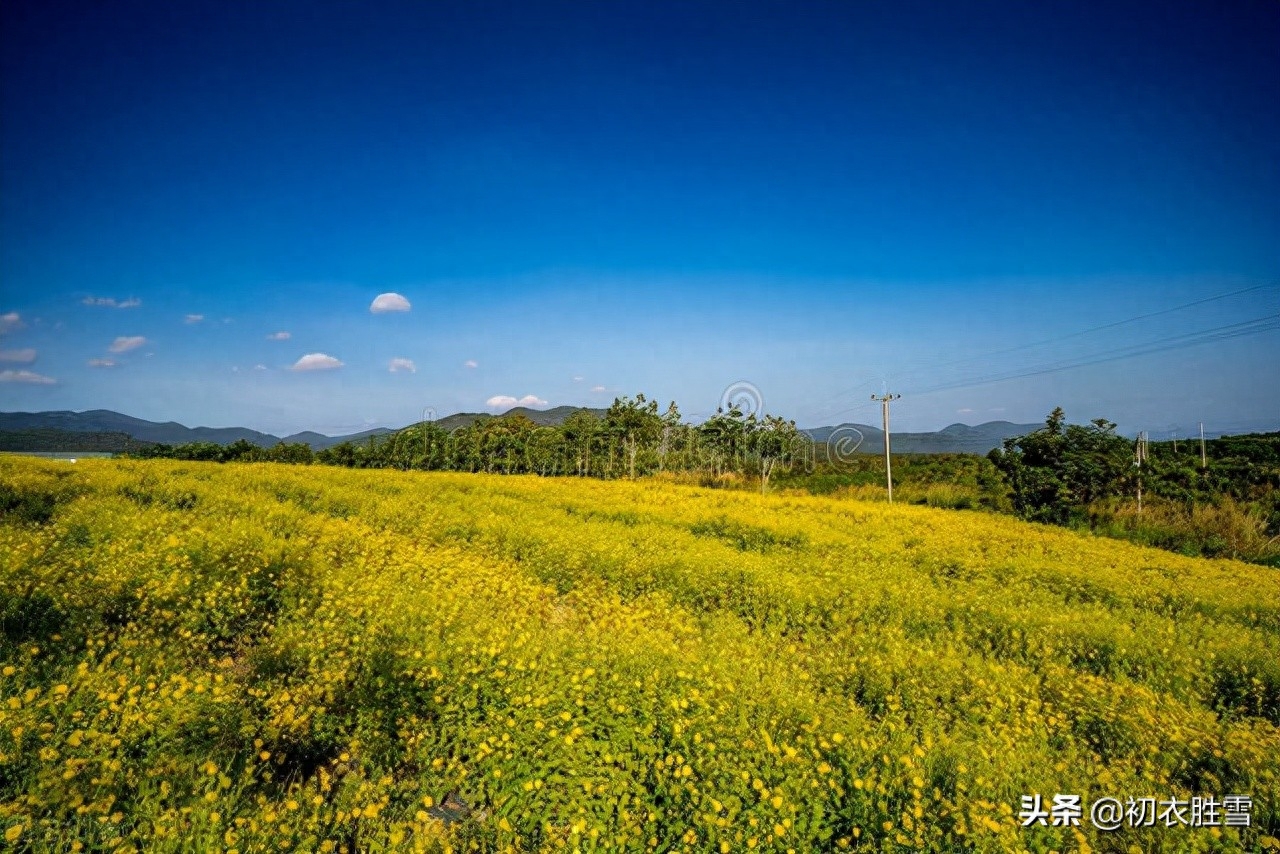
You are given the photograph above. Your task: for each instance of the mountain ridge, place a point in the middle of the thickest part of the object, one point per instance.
(954, 438)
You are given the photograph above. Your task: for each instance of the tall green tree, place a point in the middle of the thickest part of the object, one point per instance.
(634, 424)
(1055, 472)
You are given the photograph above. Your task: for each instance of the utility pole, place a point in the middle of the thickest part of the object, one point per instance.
(1204, 463)
(885, 400)
(1140, 456)
(428, 415)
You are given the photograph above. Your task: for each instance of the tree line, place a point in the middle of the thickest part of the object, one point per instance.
(1086, 476)
(634, 437)
(1077, 475)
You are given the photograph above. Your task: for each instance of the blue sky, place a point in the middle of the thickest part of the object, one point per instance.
(584, 200)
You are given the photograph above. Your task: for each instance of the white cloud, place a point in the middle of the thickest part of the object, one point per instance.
(10, 322)
(111, 302)
(506, 401)
(259, 367)
(279, 336)
(26, 355)
(102, 363)
(388, 302)
(597, 388)
(25, 377)
(125, 343)
(193, 318)
(470, 363)
(316, 362)
(398, 364)
(965, 411)
(578, 379)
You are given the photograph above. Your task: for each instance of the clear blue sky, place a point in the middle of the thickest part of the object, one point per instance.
(591, 199)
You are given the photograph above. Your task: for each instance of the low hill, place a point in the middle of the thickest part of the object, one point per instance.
(51, 440)
(319, 441)
(106, 421)
(545, 417)
(955, 439)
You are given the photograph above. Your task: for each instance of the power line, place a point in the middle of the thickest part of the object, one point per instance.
(1221, 333)
(920, 368)
(1111, 325)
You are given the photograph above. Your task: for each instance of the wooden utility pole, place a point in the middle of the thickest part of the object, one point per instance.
(1140, 456)
(885, 400)
(1204, 463)
(428, 415)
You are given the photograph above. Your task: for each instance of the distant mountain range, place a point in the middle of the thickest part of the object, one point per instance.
(955, 439)
(21, 428)
(168, 432)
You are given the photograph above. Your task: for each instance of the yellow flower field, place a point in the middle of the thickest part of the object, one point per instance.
(257, 657)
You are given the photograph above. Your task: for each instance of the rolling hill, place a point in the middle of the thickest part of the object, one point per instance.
(957, 438)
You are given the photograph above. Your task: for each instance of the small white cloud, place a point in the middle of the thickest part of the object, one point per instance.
(259, 367)
(25, 377)
(597, 388)
(25, 356)
(10, 322)
(965, 411)
(316, 362)
(193, 318)
(102, 363)
(578, 379)
(279, 336)
(125, 343)
(389, 302)
(112, 302)
(506, 401)
(470, 363)
(398, 364)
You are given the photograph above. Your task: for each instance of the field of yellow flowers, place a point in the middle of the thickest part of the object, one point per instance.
(262, 658)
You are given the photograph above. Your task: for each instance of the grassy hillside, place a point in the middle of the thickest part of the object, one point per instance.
(68, 440)
(199, 656)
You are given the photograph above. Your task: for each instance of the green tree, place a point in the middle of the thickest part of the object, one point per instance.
(770, 440)
(635, 424)
(1055, 472)
(582, 433)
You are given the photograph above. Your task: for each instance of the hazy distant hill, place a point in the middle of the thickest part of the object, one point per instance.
(319, 441)
(546, 417)
(106, 421)
(51, 440)
(958, 438)
(955, 439)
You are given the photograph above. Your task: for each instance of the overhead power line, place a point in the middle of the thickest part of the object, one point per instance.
(927, 366)
(1255, 326)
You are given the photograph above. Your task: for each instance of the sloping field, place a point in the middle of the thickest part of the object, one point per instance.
(257, 657)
